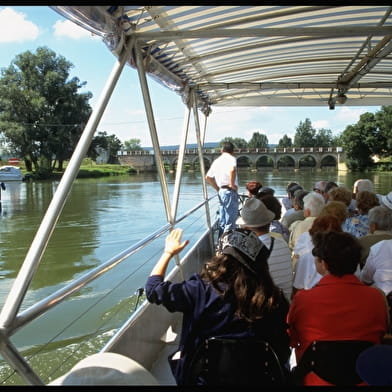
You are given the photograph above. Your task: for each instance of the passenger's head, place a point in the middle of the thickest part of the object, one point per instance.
(253, 187)
(299, 195)
(380, 218)
(292, 190)
(325, 223)
(340, 193)
(255, 215)
(319, 186)
(337, 209)
(313, 204)
(265, 190)
(289, 185)
(341, 252)
(365, 201)
(228, 147)
(363, 184)
(330, 185)
(272, 204)
(239, 271)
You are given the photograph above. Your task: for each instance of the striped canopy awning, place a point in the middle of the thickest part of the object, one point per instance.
(256, 55)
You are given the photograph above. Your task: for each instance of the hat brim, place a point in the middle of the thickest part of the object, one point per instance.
(386, 202)
(240, 221)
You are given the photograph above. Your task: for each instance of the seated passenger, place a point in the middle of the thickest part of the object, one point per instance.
(313, 204)
(363, 184)
(234, 296)
(276, 227)
(287, 201)
(256, 217)
(377, 270)
(340, 306)
(340, 193)
(253, 187)
(380, 228)
(298, 213)
(306, 275)
(358, 225)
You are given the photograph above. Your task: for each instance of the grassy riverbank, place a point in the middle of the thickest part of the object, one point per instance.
(88, 169)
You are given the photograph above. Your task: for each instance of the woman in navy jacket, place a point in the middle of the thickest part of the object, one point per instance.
(234, 296)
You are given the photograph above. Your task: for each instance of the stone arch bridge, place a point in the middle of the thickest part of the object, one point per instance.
(251, 157)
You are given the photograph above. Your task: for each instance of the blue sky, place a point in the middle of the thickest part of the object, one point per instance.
(29, 27)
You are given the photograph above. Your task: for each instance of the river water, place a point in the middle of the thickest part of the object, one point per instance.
(101, 218)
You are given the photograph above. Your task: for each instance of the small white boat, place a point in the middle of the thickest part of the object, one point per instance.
(10, 173)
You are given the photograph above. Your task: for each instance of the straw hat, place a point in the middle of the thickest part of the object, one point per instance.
(107, 369)
(254, 213)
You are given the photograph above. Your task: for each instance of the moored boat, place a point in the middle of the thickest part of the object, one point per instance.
(10, 173)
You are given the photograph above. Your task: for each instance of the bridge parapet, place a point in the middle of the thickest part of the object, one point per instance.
(269, 150)
(144, 159)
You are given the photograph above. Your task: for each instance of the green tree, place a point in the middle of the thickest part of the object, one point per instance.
(41, 112)
(133, 145)
(359, 142)
(305, 134)
(237, 141)
(384, 131)
(285, 141)
(112, 144)
(258, 140)
(324, 138)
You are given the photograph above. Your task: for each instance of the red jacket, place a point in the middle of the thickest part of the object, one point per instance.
(336, 308)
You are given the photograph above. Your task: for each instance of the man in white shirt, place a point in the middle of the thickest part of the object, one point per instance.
(256, 217)
(222, 176)
(378, 267)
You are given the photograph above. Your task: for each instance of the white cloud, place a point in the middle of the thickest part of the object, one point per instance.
(15, 28)
(71, 30)
(318, 124)
(350, 115)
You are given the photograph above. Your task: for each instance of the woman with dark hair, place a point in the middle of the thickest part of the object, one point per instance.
(253, 188)
(340, 306)
(273, 204)
(234, 296)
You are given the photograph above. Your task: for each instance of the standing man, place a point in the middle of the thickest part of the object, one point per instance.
(222, 176)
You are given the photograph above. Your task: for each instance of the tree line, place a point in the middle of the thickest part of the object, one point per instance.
(43, 113)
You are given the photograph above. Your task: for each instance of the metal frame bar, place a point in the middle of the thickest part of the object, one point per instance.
(34, 255)
(153, 131)
(336, 32)
(180, 163)
(201, 159)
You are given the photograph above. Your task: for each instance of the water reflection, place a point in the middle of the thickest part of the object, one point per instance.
(102, 217)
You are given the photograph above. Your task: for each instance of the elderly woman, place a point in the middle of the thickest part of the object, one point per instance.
(358, 225)
(340, 306)
(234, 296)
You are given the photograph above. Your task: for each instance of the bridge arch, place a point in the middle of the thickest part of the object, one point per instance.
(307, 160)
(286, 161)
(328, 160)
(265, 160)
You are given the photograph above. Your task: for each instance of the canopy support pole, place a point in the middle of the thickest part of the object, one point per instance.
(201, 160)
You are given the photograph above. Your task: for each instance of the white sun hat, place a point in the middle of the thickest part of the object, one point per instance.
(386, 200)
(107, 369)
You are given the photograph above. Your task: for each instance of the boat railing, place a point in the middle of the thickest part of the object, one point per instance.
(146, 251)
